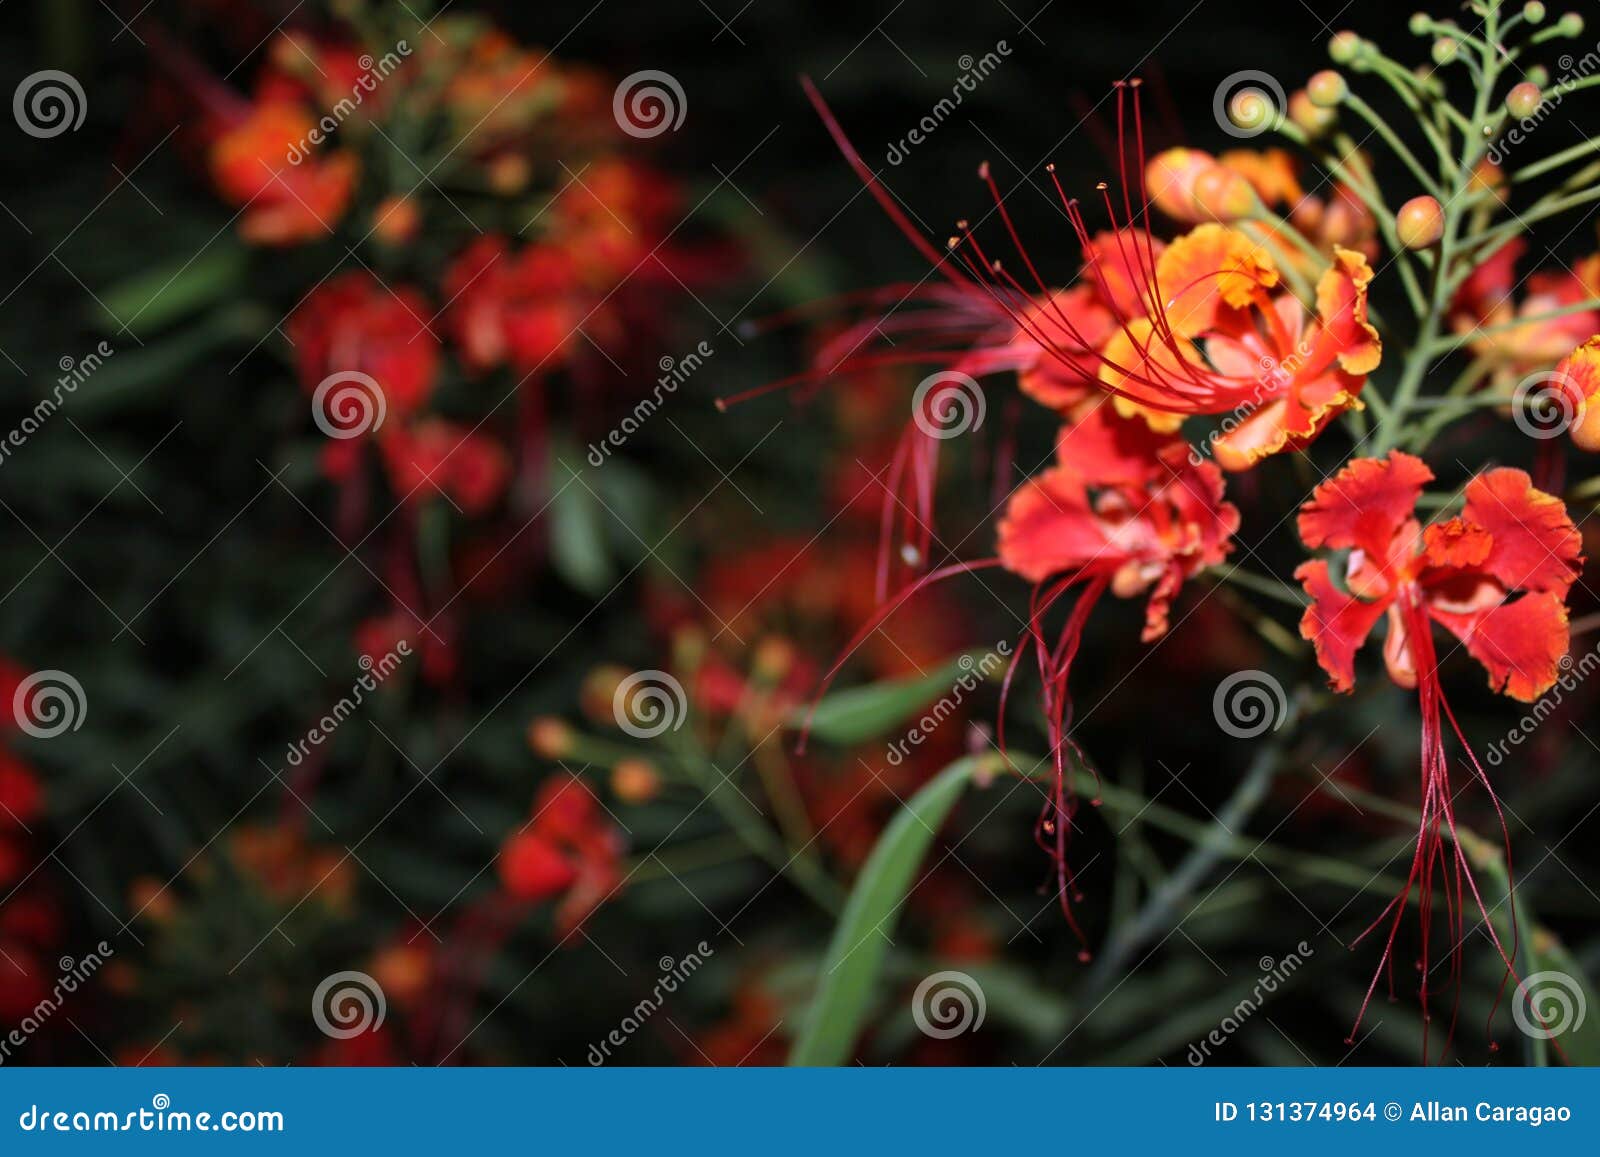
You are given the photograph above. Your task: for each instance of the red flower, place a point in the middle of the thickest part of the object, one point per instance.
(1578, 380)
(354, 323)
(469, 468)
(1124, 505)
(286, 197)
(568, 849)
(1496, 577)
(516, 306)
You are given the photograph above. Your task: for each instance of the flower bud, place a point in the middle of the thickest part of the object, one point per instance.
(1327, 88)
(1420, 222)
(1311, 118)
(1169, 179)
(598, 692)
(396, 220)
(1489, 177)
(1445, 50)
(1223, 194)
(1421, 24)
(1571, 25)
(1344, 47)
(635, 781)
(550, 737)
(1524, 100)
(1533, 12)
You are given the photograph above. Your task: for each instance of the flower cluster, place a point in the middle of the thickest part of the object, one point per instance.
(1171, 361)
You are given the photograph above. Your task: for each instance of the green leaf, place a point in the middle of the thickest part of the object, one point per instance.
(855, 956)
(862, 713)
(577, 530)
(147, 302)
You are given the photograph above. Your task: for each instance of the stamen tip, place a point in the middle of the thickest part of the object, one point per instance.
(1084, 956)
(721, 404)
(983, 171)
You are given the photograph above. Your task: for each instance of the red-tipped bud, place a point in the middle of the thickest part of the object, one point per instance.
(550, 737)
(1221, 193)
(635, 781)
(1420, 223)
(1327, 88)
(1169, 180)
(1312, 118)
(1524, 100)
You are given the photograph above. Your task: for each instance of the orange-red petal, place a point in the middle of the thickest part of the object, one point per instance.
(1536, 546)
(1520, 642)
(1365, 504)
(1336, 623)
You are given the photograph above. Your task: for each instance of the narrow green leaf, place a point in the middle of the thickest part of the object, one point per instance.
(855, 956)
(861, 713)
(577, 530)
(152, 299)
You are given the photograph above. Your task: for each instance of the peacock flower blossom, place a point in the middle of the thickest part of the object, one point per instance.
(1578, 380)
(1125, 507)
(513, 305)
(569, 851)
(1485, 301)
(285, 197)
(1496, 577)
(355, 324)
